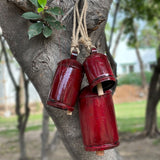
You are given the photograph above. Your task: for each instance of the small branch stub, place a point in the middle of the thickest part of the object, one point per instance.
(69, 113)
(100, 153)
(100, 89)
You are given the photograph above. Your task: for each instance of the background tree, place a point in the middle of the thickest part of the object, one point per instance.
(21, 101)
(48, 146)
(149, 12)
(131, 31)
(39, 56)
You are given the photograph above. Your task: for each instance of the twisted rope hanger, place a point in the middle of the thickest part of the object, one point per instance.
(75, 33)
(81, 29)
(84, 39)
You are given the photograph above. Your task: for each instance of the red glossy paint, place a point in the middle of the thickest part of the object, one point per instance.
(66, 84)
(97, 119)
(98, 70)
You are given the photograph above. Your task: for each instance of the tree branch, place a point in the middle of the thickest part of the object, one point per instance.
(114, 22)
(117, 41)
(7, 61)
(26, 105)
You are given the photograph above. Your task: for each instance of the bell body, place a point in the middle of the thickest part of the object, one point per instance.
(66, 84)
(98, 70)
(97, 119)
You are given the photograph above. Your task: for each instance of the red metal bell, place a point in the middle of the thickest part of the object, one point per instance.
(66, 84)
(98, 70)
(97, 119)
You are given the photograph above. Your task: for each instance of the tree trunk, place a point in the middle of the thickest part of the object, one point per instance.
(20, 107)
(114, 22)
(20, 126)
(143, 77)
(45, 135)
(151, 127)
(39, 57)
(117, 41)
(22, 118)
(22, 146)
(54, 143)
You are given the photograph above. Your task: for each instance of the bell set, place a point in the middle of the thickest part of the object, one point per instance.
(96, 112)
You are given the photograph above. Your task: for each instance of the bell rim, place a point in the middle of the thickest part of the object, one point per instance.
(59, 105)
(102, 147)
(87, 92)
(102, 79)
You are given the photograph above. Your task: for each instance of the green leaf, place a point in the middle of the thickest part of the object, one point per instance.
(55, 11)
(35, 3)
(57, 25)
(31, 15)
(42, 3)
(35, 29)
(47, 31)
(40, 10)
(63, 27)
(49, 18)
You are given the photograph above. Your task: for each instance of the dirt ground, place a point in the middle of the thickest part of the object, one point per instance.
(132, 147)
(129, 93)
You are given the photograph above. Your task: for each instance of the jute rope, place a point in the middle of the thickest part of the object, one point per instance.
(75, 34)
(84, 39)
(82, 28)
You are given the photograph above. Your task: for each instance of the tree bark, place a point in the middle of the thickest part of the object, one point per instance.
(39, 57)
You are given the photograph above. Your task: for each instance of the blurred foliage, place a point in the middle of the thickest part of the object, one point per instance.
(133, 78)
(148, 38)
(136, 13)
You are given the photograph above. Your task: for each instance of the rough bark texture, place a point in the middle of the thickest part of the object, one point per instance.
(39, 57)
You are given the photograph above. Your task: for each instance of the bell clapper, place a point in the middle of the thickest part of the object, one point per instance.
(100, 89)
(100, 153)
(100, 93)
(69, 113)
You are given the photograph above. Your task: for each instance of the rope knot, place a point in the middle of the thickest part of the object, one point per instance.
(86, 41)
(75, 47)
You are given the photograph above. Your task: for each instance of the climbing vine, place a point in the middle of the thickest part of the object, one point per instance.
(44, 18)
